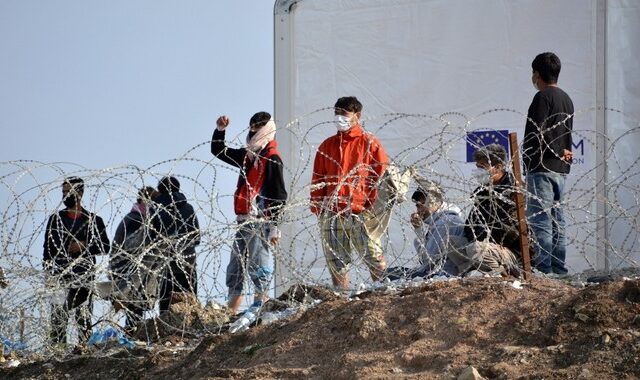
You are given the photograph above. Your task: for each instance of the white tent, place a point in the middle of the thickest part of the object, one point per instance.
(468, 63)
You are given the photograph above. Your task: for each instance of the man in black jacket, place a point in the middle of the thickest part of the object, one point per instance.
(73, 237)
(175, 229)
(546, 155)
(491, 227)
(258, 201)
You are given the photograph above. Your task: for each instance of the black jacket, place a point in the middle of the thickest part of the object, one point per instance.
(548, 132)
(61, 230)
(129, 224)
(493, 215)
(273, 192)
(175, 219)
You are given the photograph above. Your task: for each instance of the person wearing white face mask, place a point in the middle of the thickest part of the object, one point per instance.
(491, 227)
(546, 157)
(346, 172)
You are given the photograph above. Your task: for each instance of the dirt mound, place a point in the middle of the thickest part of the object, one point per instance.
(547, 329)
(186, 318)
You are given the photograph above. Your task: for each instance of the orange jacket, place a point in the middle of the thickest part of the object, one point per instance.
(346, 171)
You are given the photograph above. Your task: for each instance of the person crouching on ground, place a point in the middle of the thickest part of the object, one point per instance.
(491, 226)
(439, 229)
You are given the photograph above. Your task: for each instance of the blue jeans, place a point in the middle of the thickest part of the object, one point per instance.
(546, 219)
(251, 254)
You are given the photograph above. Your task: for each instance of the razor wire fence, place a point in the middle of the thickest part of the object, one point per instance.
(601, 210)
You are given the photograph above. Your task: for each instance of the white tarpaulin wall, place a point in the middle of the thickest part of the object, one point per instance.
(460, 58)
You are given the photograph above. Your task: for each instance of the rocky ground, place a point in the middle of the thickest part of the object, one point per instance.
(548, 329)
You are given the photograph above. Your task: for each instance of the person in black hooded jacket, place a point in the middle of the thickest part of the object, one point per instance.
(175, 227)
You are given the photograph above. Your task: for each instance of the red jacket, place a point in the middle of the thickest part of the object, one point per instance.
(250, 185)
(346, 171)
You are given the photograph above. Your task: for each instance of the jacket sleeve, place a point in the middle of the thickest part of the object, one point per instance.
(531, 145)
(378, 164)
(52, 243)
(99, 242)
(231, 156)
(318, 188)
(129, 224)
(438, 239)
(192, 227)
(275, 193)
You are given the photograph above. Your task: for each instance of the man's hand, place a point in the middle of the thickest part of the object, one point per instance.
(567, 155)
(274, 235)
(222, 122)
(416, 220)
(75, 247)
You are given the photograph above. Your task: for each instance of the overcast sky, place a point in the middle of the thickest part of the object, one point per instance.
(106, 83)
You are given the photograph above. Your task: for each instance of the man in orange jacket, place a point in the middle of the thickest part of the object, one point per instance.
(346, 172)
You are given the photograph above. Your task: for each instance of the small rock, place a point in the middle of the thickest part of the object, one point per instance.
(512, 349)
(582, 317)
(470, 373)
(13, 363)
(524, 361)
(584, 374)
(396, 370)
(48, 365)
(606, 339)
(556, 348)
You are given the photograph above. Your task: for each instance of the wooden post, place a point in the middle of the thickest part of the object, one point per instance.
(21, 325)
(519, 199)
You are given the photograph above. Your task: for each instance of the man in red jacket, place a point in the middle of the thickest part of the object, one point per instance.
(346, 172)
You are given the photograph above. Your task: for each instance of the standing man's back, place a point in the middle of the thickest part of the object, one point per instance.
(547, 156)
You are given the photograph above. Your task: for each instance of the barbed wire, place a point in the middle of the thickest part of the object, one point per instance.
(424, 148)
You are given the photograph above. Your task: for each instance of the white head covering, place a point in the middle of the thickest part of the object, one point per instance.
(262, 137)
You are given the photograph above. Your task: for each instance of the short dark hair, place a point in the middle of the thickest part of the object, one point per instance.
(349, 104)
(548, 66)
(145, 193)
(168, 185)
(492, 153)
(259, 119)
(428, 190)
(76, 183)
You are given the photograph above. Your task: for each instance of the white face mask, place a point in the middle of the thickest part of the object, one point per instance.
(342, 123)
(482, 176)
(534, 81)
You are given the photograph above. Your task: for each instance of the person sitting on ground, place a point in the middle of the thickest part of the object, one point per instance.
(439, 229)
(128, 244)
(491, 227)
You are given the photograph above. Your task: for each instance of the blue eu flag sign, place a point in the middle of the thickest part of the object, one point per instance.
(478, 139)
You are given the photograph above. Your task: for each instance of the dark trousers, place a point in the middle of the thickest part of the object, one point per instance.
(82, 313)
(134, 314)
(178, 278)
